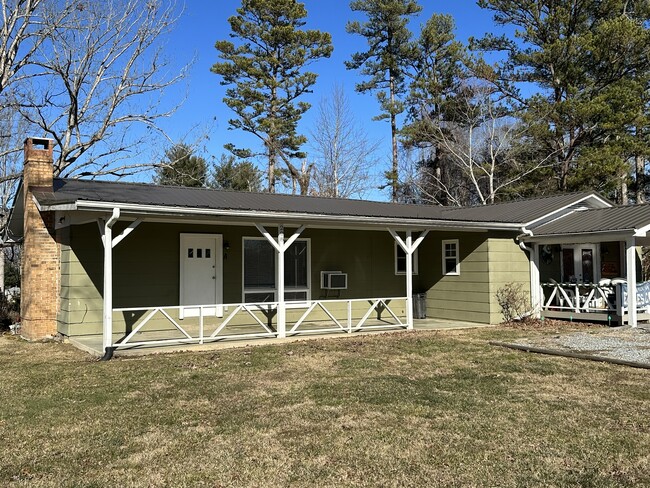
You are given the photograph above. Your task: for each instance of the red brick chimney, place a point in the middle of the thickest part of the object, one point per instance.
(39, 300)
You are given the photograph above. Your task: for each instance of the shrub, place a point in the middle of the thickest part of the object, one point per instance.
(9, 311)
(514, 302)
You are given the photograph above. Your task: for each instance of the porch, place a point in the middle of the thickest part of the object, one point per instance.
(150, 341)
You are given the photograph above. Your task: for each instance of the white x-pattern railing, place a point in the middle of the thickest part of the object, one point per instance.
(357, 317)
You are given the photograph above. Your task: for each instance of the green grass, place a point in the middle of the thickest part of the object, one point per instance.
(402, 409)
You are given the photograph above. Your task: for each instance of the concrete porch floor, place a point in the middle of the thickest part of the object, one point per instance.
(92, 344)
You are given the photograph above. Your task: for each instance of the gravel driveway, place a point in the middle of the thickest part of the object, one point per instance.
(621, 343)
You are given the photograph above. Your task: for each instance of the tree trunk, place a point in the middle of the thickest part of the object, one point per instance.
(639, 163)
(623, 198)
(393, 131)
(272, 163)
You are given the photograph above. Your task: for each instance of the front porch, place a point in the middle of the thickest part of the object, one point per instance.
(157, 341)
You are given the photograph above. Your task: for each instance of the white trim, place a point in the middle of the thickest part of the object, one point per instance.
(218, 263)
(415, 260)
(290, 304)
(444, 258)
(556, 211)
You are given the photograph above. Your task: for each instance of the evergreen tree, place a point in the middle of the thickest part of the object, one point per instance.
(386, 61)
(266, 77)
(230, 174)
(590, 61)
(181, 168)
(437, 82)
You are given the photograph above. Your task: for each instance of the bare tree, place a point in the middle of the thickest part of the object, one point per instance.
(21, 34)
(479, 142)
(343, 151)
(100, 73)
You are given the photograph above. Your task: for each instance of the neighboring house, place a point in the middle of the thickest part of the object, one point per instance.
(133, 263)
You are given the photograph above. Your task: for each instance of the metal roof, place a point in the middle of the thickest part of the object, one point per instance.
(520, 211)
(613, 219)
(69, 191)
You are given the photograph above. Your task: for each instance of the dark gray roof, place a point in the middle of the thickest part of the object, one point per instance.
(73, 190)
(611, 219)
(520, 211)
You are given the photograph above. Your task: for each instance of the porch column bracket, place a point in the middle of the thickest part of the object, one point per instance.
(414, 245)
(126, 232)
(280, 245)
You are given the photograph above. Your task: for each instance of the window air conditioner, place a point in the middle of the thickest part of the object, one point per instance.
(333, 280)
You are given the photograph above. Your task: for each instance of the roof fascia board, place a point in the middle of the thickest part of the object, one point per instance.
(583, 237)
(254, 215)
(549, 215)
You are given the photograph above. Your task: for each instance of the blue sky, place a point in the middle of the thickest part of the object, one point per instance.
(204, 22)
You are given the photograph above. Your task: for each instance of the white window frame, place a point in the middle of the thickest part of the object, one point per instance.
(415, 260)
(273, 291)
(456, 243)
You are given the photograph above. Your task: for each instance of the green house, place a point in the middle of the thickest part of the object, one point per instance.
(137, 264)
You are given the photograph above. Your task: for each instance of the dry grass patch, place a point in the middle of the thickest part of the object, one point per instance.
(406, 409)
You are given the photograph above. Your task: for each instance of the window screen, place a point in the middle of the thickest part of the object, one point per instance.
(259, 264)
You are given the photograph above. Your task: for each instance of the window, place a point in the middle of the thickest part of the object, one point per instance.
(259, 270)
(400, 261)
(450, 255)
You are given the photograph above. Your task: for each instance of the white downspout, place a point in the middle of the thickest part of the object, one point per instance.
(535, 285)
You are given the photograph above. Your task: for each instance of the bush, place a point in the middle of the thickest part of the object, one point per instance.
(9, 311)
(514, 302)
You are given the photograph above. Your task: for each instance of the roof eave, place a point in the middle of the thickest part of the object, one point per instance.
(257, 215)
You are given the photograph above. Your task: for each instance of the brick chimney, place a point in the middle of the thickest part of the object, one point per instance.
(39, 301)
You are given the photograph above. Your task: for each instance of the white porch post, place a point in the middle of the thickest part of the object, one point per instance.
(409, 280)
(535, 285)
(282, 306)
(107, 240)
(409, 248)
(280, 245)
(630, 264)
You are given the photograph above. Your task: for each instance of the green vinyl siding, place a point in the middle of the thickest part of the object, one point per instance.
(455, 297)
(146, 270)
(508, 264)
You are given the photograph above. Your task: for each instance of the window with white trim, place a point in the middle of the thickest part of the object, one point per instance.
(259, 271)
(400, 260)
(450, 257)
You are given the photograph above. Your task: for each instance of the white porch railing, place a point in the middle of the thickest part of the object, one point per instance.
(579, 298)
(152, 326)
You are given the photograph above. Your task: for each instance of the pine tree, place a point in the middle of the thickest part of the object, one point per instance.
(386, 61)
(266, 77)
(439, 74)
(589, 61)
(230, 174)
(181, 168)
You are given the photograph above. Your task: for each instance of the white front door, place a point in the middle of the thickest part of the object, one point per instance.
(580, 263)
(201, 276)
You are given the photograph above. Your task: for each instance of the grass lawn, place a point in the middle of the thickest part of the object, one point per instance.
(400, 409)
